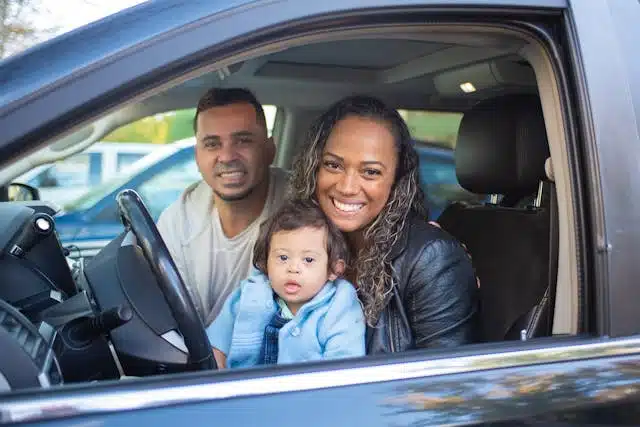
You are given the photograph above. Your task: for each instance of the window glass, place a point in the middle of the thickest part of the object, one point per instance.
(270, 117)
(165, 187)
(435, 135)
(127, 159)
(168, 127)
(71, 172)
(46, 178)
(433, 127)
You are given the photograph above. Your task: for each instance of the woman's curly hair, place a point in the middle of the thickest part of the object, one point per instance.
(373, 263)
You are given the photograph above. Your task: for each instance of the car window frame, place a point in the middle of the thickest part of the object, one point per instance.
(146, 53)
(574, 343)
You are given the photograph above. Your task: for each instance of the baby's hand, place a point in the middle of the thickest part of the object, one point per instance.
(221, 358)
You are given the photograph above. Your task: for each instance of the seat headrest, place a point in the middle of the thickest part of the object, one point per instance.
(502, 146)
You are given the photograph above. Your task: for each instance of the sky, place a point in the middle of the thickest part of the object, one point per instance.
(50, 18)
(70, 14)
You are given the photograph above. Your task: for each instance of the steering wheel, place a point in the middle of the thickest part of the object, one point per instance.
(136, 217)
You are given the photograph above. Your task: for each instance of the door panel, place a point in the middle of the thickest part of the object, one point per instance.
(486, 386)
(606, 94)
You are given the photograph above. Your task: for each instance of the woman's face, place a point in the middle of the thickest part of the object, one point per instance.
(357, 171)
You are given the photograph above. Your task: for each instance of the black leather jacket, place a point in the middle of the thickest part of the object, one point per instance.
(434, 300)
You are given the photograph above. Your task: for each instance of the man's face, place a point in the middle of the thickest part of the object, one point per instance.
(233, 151)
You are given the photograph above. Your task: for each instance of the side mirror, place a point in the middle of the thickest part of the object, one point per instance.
(22, 192)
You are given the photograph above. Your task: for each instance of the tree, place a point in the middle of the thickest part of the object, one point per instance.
(18, 29)
(158, 129)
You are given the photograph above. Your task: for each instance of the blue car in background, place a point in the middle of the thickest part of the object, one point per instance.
(91, 221)
(65, 180)
(438, 178)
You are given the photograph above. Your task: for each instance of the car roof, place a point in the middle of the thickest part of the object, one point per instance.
(399, 70)
(44, 63)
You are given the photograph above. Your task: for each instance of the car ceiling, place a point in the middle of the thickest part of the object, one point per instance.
(421, 71)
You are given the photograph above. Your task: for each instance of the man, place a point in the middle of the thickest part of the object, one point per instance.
(211, 229)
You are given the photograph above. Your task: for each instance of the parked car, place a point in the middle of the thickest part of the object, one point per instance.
(439, 180)
(90, 222)
(65, 180)
(561, 269)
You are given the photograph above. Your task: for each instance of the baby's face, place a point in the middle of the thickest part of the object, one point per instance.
(298, 264)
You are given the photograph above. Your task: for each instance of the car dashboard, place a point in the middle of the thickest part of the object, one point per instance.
(66, 321)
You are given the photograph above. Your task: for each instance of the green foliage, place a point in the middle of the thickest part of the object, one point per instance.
(182, 125)
(430, 126)
(433, 126)
(158, 129)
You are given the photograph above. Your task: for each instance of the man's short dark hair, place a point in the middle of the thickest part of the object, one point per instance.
(219, 97)
(295, 214)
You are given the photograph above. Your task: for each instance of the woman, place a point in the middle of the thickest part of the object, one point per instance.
(416, 283)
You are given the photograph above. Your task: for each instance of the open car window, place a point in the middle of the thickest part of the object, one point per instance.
(92, 220)
(421, 74)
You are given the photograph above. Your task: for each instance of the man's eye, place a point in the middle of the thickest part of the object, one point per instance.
(283, 257)
(308, 260)
(212, 144)
(245, 140)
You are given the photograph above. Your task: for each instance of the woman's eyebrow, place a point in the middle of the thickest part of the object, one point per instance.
(328, 153)
(374, 163)
(364, 163)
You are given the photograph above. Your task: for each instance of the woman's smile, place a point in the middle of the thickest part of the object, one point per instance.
(347, 207)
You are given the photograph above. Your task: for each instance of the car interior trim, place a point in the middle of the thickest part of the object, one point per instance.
(565, 320)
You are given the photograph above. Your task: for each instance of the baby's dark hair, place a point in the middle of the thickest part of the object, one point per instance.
(295, 214)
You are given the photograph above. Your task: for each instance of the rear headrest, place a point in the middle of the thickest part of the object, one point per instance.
(502, 146)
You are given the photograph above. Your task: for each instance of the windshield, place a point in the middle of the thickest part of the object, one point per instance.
(91, 197)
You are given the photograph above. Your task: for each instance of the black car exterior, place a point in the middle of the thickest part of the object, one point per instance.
(589, 379)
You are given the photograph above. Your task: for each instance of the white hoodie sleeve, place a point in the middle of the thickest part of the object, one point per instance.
(169, 226)
(179, 224)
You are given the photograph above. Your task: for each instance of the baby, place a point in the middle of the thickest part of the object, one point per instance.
(293, 307)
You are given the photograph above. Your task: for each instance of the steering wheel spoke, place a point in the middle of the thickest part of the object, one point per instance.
(136, 218)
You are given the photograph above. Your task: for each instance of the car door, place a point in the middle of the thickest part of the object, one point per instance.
(592, 377)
